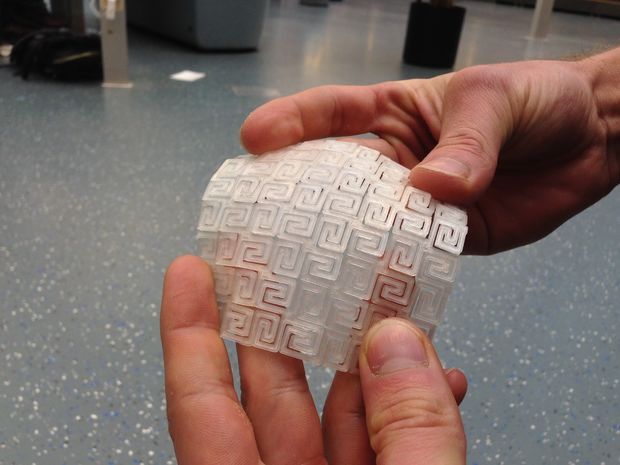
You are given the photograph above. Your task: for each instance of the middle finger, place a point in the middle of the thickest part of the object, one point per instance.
(278, 402)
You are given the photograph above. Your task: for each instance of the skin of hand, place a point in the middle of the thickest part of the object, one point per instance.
(401, 409)
(523, 146)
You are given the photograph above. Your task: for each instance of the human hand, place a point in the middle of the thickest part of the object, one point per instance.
(524, 146)
(404, 410)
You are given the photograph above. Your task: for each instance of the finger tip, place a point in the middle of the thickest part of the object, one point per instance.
(442, 186)
(188, 272)
(249, 135)
(188, 287)
(270, 128)
(183, 266)
(458, 383)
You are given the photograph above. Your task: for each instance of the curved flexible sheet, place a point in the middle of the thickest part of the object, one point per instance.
(312, 244)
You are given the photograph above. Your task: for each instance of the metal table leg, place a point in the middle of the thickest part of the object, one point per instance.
(542, 18)
(114, 45)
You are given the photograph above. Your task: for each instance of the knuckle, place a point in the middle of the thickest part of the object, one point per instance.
(409, 410)
(383, 94)
(253, 392)
(177, 407)
(184, 401)
(469, 142)
(174, 415)
(412, 404)
(395, 100)
(212, 412)
(470, 150)
(482, 77)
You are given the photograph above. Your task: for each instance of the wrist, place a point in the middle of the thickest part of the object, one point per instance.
(603, 74)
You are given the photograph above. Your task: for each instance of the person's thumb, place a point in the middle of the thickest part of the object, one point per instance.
(411, 414)
(476, 120)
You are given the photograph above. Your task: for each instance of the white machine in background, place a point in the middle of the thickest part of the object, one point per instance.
(206, 24)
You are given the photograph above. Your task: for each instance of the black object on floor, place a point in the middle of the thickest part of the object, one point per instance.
(433, 34)
(59, 54)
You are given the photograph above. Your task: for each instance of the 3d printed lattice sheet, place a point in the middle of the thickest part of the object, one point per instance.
(312, 244)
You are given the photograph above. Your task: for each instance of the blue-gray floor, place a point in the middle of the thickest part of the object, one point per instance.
(100, 189)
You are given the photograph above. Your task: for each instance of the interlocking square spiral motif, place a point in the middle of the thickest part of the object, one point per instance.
(312, 244)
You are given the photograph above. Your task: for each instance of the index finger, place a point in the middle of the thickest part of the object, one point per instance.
(312, 114)
(206, 421)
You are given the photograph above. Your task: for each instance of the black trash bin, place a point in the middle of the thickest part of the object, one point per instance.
(433, 34)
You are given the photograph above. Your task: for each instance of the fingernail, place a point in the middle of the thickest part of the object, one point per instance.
(449, 166)
(394, 346)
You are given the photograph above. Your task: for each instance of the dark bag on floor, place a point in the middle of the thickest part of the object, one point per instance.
(59, 54)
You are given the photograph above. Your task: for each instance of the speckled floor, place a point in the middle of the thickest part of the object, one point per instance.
(99, 190)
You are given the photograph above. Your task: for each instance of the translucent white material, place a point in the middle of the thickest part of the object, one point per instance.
(312, 244)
